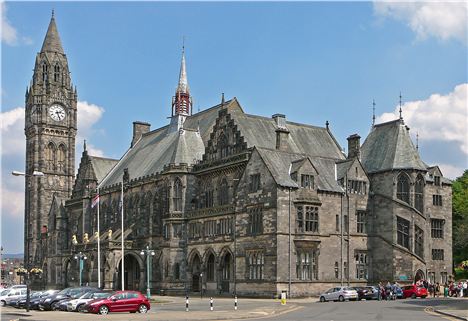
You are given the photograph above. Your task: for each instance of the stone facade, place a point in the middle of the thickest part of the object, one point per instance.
(238, 203)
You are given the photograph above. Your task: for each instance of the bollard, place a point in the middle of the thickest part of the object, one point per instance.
(186, 304)
(235, 303)
(211, 303)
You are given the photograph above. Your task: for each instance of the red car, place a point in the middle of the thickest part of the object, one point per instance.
(414, 291)
(120, 301)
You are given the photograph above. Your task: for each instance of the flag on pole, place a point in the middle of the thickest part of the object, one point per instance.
(95, 201)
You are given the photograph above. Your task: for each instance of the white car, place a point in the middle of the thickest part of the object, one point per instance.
(9, 294)
(76, 304)
(339, 293)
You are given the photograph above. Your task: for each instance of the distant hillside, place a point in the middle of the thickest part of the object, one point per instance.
(13, 256)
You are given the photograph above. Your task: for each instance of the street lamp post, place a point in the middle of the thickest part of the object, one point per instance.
(81, 257)
(149, 253)
(26, 261)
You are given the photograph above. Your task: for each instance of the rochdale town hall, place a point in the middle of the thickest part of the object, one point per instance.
(230, 202)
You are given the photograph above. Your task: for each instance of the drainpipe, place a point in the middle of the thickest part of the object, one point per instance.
(289, 244)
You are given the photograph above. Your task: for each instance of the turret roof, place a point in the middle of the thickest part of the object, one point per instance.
(52, 41)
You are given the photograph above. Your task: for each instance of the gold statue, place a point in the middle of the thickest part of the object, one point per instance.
(96, 235)
(85, 238)
(74, 240)
(109, 234)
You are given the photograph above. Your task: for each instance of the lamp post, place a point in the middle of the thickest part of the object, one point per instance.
(149, 253)
(26, 261)
(80, 257)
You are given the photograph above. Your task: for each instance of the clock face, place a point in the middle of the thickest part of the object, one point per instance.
(57, 113)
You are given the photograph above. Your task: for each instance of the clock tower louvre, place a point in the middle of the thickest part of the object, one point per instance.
(50, 130)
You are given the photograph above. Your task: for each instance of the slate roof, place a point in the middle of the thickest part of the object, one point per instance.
(342, 168)
(165, 145)
(102, 166)
(389, 147)
(279, 162)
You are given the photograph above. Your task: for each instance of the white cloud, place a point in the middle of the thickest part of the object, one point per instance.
(440, 117)
(9, 34)
(451, 171)
(443, 20)
(13, 144)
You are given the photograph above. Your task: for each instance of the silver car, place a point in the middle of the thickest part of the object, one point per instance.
(339, 293)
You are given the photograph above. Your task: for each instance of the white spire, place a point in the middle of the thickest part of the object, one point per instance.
(183, 86)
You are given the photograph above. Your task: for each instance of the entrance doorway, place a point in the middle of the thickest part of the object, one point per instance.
(196, 270)
(418, 276)
(132, 274)
(226, 272)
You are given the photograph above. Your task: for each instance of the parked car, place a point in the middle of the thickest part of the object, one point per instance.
(399, 292)
(414, 291)
(48, 302)
(121, 301)
(367, 292)
(34, 301)
(340, 293)
(79, 303)
(11, 294)
(21, 303)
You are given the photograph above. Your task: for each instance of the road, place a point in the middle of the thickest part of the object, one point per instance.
(267, 309)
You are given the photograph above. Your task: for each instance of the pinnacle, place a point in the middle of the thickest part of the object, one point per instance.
(52, 41)
(183, 86)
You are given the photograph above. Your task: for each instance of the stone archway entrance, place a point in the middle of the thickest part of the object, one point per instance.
(132, 274)
(196, 270)
(419, 276)
(226, 270)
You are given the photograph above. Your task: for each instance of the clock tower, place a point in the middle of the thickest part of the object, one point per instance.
(50, 129)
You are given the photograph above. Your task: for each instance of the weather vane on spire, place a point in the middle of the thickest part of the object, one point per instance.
(373, 112)
(53, 13)
(400, 106)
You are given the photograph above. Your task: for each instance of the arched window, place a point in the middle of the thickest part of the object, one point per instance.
(62, 151)
(164, 199)
(208, 196)
(176, 271)
(177, 195)
(223, 147)
(418, 194)
(44, 72)
(223, 192)
(210, 268)
(56, 73)
(403, 188)
(50, 156)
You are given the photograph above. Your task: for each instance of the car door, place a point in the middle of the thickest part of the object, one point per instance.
(334, 294)
(327, 295)
(133, 301)
(115, 302)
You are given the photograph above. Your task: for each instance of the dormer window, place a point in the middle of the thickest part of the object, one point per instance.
(437, 180)
(307, 181)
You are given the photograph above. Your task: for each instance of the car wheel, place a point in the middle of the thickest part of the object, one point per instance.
(413, 296)
(322, 299)
(79, 307)
(2, 303)
(341, 298)
(142, 308)
(103, 309)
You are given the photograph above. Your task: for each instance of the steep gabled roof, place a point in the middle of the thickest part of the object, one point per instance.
(279, 162)
(389, 147)
(101, 166)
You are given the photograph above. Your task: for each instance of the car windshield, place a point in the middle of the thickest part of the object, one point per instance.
(77, 293)
(64, 291)
(102, 295)
(4, 292)
(87, 295)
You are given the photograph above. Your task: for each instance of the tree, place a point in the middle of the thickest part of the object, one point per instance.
(460, 218)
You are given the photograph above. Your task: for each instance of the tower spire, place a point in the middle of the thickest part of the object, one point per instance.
(417, 140)
(182, 102)
(52, 41)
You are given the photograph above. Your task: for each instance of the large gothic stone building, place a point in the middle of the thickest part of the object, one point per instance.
(230, 202)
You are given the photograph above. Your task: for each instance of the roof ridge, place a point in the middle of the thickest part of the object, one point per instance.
(107, 158)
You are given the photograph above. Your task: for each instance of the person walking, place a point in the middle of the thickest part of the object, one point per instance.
(436, 289)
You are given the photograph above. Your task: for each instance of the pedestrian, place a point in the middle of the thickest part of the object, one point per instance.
(465, 288)
(436, 289)
(431, 289)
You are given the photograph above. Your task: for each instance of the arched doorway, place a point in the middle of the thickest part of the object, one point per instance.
(226, 269)
(419, 276)
(132, 274)
(196, 270)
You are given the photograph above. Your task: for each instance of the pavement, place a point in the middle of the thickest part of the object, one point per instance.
(305, 309)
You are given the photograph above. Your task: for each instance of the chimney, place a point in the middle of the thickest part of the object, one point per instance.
(282, 132)
(139, 128)
(354, 146)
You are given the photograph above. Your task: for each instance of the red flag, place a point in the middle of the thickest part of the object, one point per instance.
(95, 201)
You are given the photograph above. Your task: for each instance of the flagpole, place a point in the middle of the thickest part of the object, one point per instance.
(98, 241)
(122, 236)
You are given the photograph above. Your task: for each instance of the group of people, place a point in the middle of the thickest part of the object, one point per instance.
(389, 291)
(452, 289)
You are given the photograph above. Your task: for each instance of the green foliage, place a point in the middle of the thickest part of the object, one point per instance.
(460, 218)
(461, 274)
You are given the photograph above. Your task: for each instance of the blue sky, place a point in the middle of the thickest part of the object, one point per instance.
(313, 61)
